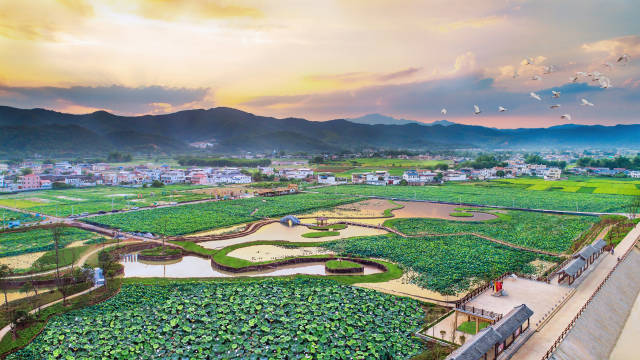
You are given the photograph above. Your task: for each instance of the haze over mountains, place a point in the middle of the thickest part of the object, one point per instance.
(44, 131)
(379, 119)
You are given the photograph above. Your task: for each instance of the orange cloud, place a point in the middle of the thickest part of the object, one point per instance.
(205, 9)
(616, 46)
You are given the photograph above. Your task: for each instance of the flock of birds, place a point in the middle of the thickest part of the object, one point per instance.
(604, 82)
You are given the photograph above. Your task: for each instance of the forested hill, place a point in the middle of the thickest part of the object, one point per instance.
(230, 130)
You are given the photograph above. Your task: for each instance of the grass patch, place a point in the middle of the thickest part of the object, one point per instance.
(461, 214)
(47, 261)
(329, 227)
(342, 264)
(160, 251)
(469, 327)
(586, 190)
(320, 234)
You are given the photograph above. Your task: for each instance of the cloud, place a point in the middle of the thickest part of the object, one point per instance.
(35, 20)
(119, 99)
(191, 9)
(477, 23)
(361, 77)
(615, 47)
(423, 101)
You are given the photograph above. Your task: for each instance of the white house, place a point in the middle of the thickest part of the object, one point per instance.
(326, 179)
(634, 174)
(553, 174)
(296, 173)
(173, 177)
(411, 176)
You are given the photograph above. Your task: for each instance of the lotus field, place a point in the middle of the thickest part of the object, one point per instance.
(35, 240)
(260, 319)
(492, 194)
(98, 198)
(446, 264)
(9, 215)
(185, 219)
(548, 232)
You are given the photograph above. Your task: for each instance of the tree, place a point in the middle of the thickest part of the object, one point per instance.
(500, 173)
(157, 184)
(5, 271)
(18, 316)
(56, 234)
(633, 207)
(404, 182)
(26, 171)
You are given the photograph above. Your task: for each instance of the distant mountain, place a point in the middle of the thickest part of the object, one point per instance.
(43, 131)
(379, 119)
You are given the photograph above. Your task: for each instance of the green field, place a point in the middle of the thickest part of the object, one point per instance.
(395, 167)
(99, 198)
(185, 219)
(549, 232)
(579, 184)
(35, 240)
(236, 319)
(446, 264)
(488, 193)
(9, 215)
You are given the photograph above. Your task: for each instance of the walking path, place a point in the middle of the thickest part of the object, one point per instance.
(542, 340)
(7, 328)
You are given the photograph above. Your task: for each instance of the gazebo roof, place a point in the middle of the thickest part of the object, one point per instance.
(573, 267)
(586, 252)
(599, 244)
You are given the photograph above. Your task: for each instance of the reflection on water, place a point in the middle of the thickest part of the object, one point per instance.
(438, 211)
(193, 266)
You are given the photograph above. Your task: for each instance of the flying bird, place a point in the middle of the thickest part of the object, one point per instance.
(549, 69)
(605, 82)
(502, 109)
(608, 65)
(596, 75)
(624, 58)
(535, 96)
(574, 79)
(527, 61)
(565, 117)
(556, 94)
(554, 106)
(536, 77)
(476, 110)
(581, 73)
(586, 102)
(443, 111)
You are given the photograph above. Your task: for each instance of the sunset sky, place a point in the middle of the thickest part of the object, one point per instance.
(325, 59)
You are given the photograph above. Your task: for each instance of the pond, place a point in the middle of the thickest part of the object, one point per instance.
(193, 266)
(414, 209)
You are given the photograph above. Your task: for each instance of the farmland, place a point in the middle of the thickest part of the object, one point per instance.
(185, 219)
(396, 167)
(271, 318)
(576, 184)
(100, 198)
(540, 231)
(446, 264)
(35, 240)
(9, 215)
(487, 193)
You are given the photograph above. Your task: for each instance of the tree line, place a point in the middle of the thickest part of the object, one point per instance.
(219, 162)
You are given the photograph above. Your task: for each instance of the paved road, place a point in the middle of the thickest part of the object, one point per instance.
(536, 347)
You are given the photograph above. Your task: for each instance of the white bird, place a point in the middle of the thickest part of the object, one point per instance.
(443, 111)
(535, 96)
(527, 61)
(502, 109)
(566, 117)
(581, 73)
(608, 65)
(624, 58)
(586, 102)
(515, 74)
(536, 77)
(549, 69)
(596, 75)
(556, 94)
(476, 110)
(605, 82)
(554, 106)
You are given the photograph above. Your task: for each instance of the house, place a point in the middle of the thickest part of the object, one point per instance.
(358, 178)
(30, 181)
(299, 174)
(266, 170)
(173, 177)
(553, 174)
(634, 174)
(326, 179)
(454, 176)
(411, 176)
(199, 179)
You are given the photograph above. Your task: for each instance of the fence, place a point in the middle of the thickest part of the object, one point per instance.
(479, 312)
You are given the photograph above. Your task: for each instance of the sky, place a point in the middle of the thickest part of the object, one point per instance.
(324, 60)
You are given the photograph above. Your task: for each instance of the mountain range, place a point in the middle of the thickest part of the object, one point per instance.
(379, 119)
(26, 131)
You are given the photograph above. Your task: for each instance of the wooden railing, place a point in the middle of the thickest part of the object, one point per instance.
(479, 312)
